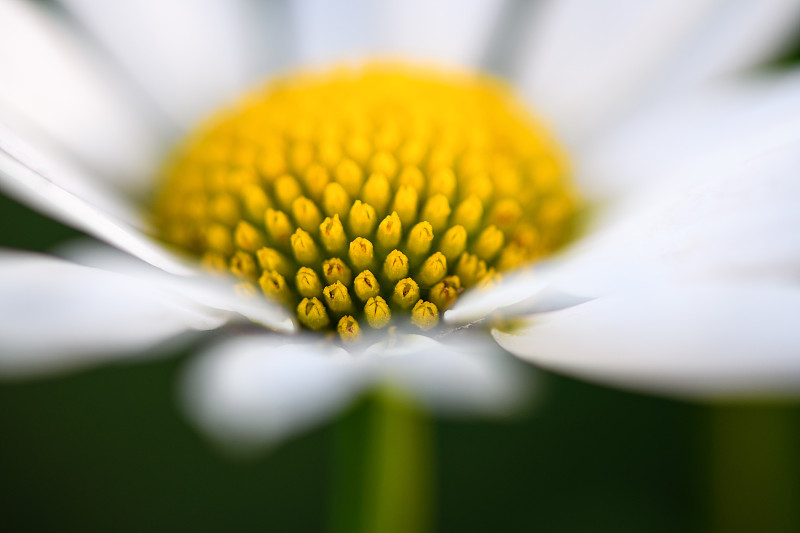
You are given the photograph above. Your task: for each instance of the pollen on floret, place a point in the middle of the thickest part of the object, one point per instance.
(363, 197)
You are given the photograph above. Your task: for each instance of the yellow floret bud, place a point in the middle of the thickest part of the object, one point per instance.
(361, 253)
(506, 214)
(358, 148)
(274, 286)
(432, 270)
(469, 214)
(443, 182)
(412, 177)
(419, 241)
(470, 269)
(444, 293)
(255, 201)
(332, 235)
(349, 176)
(312, 314)
(395, 266)
(366, 285)
(385, 163)
(453, 243)
(308, 284)
(436, 211)
(225, 209)
(377, 312)
(425, 315)
(335, 270)
(406, 293)
(335, 200)
(244, 266)
(247, 237)
(479, 186)
(377, 192)
(286, 190)
(316, 179)
(304, 248)
(306, 214)
(362, 219)
(405, 204)
(271, 259)
(511, 257)
(489, 243)
(219, 239)
(278, 226)
(337, 298)
(389, 232)
(348, 330)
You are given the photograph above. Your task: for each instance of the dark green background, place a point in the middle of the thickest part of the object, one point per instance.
(108, 450)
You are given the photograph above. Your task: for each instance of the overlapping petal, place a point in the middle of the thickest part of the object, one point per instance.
(56, 315)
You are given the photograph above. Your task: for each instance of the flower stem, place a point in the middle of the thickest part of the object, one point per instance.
(382, 467)
(755, 468)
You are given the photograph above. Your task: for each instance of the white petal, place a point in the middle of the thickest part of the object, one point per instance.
(738, 225)
(54, 89)
(263, 389)
(457, 376)
(449, 31)
(197, 286)
(704, 340)
(713, 128)
(588, 61)
(189, 55)
(33, 179)
(56, 315)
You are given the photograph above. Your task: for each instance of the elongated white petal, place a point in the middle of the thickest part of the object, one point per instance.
(263, 389)
(33, 179)
(714, 128)
(454, 376)
(738, 225)
(55, 90)
(449, 31)
(704, 340)
(199, 287)
(589, 60)
(56, 315)
(189, 55)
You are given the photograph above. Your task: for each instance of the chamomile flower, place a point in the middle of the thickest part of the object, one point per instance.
(378, 219)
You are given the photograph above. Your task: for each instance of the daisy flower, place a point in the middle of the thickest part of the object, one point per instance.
(682, 281)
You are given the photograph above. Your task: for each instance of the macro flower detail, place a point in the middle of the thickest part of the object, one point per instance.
(366, 197)
(689, 175)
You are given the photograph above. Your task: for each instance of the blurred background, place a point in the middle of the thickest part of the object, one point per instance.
(108, 450)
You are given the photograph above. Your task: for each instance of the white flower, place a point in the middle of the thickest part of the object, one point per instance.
(686, 284)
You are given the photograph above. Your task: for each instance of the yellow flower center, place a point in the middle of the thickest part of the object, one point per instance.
(362, 197)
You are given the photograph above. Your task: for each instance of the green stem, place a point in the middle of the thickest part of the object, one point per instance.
(382, 467)
(755, 471)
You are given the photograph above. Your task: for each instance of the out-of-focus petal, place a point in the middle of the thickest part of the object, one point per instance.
(56, 91)
(204, 289)
(715, 128)
(30, 177)
(189, 55)
(738, 225)
(260, 390)
(588, 61)
(449, 31)
(454, 376)
(56, 315)
(707, 340)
